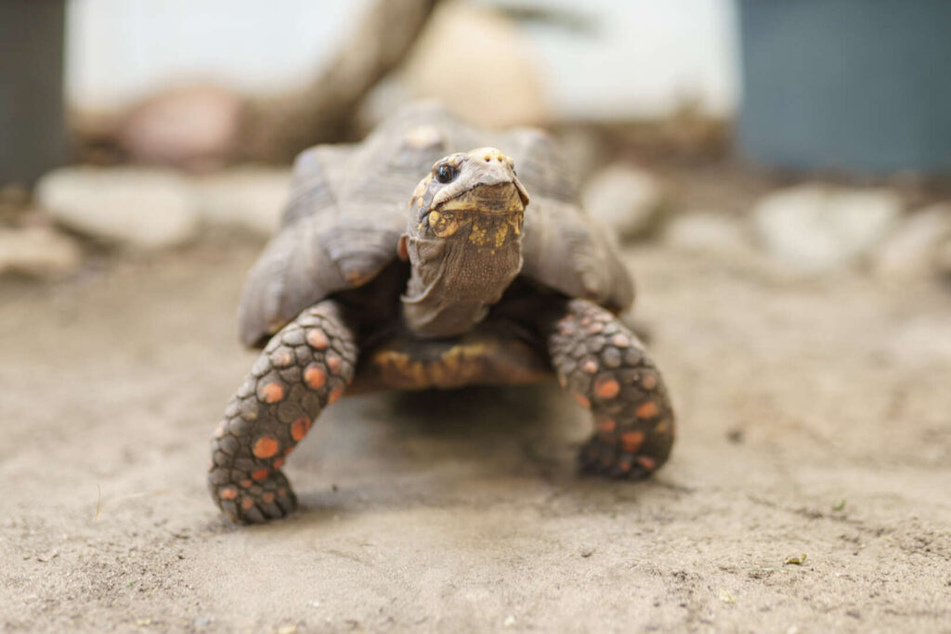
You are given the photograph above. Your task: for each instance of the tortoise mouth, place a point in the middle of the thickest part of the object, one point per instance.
(498, 208)
(499, 198)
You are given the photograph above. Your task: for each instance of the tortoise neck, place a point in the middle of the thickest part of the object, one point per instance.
(453, 283)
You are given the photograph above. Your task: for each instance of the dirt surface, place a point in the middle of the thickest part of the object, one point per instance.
(814, 421)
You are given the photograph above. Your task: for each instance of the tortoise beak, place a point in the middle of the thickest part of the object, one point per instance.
(495, 198)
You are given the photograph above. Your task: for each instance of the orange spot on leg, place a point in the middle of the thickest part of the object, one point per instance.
(649, 382)
(247, 503)
(271, 392)
(649, 464)
(334, 363)
(267, 498)
(315, 377)
(607, 387)
(582, 401)
(632, 441)
(260, 474)
(279, 462)
(335, 395)
(299, 428)
(317, 339)
(606, 425)
(265, 447)
(245, 484)
(646, 410)
(228, 493)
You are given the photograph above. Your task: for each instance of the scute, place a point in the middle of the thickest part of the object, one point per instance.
(347, 210)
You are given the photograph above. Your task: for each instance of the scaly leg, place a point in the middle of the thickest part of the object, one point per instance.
(606, 368)
(304, 368)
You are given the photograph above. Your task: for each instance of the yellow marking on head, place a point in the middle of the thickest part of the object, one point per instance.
(433, 217)
(500, 235)
(477, 236)
(489, 154)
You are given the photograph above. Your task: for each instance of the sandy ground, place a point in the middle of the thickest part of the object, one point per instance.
(815, 421)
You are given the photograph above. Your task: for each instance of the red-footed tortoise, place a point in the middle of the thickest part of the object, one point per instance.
(468, 284)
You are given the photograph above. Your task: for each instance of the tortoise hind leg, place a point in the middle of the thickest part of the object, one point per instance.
(607, 369)
(305, 367)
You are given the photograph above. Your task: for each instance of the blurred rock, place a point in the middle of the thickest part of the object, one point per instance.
(38, 251)
(248, 197)
(625, 199)
(706, 232)
(911, 251)
(138, 207)
(813, 228)
(476, 62)
(190, 127)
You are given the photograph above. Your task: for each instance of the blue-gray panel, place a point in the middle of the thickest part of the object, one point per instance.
(32, 121)
(858, 85)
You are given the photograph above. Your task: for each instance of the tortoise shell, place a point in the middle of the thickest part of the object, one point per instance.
(348, 210)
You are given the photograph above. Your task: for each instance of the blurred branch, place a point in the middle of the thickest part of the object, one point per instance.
(277, 129)
(577, 22)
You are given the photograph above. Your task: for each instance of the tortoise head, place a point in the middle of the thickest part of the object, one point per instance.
(463, 240)
(477, 189)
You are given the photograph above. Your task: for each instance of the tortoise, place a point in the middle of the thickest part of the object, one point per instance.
(469, 284)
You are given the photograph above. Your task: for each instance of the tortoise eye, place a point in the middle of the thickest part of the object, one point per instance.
(446, 173)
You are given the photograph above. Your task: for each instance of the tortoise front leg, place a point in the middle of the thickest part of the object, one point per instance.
(606, 368)
(304, 368)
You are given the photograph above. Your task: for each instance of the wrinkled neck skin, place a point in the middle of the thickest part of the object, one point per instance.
(455, 281)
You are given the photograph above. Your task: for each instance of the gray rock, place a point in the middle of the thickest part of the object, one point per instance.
(813, 228)
(190, 127)
(706, 232)
(248, 197)
(491, 78)
(39, 252)
(136, 207)
(626, 200)
(912, 250)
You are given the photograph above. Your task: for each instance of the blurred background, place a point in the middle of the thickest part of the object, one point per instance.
(776, 173)
(662, 107)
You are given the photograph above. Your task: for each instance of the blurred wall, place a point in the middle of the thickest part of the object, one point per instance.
(646, 59)
(120, 50)
(643, 59)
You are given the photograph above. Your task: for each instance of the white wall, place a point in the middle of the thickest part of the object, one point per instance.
(650, 56)
(647, 58)
(118, 50)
